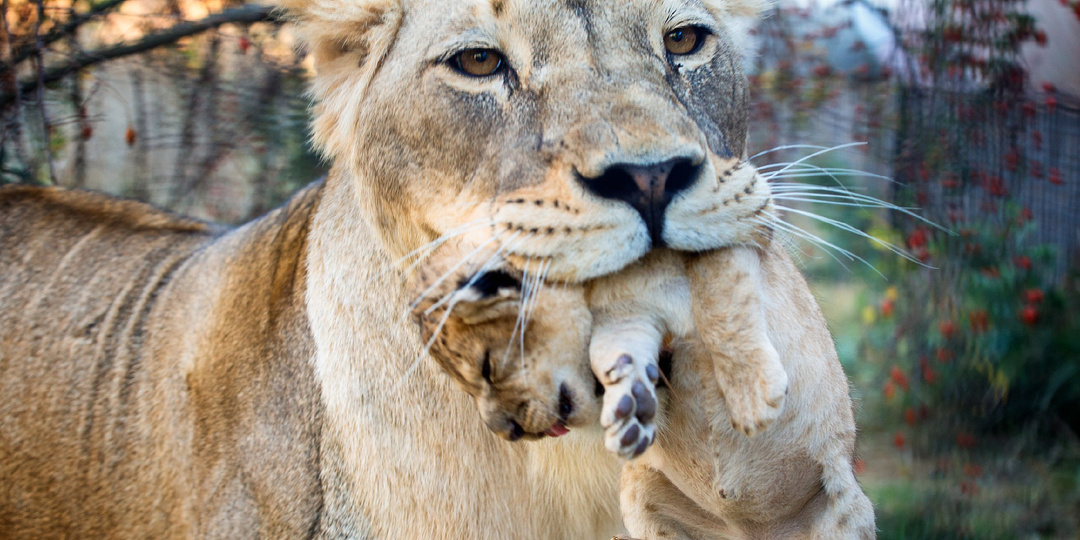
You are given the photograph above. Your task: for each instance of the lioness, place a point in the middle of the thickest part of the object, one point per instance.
(162, 377)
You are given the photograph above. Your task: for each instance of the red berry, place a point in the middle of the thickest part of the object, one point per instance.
(1030, 315)
(244, 44)
(898, 440)
(909, 416)
(916, 239)
(887, 308)
(899, 377)
(1049, 87)
(944, 355)
(980, 320)
(947, 329)
(1022, 262)
(129, 136)
(1055, 176)
(973, 471)
(888, 390)
(965, 440)
(1034, 296)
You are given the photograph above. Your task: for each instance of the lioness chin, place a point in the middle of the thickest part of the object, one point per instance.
(163, 378)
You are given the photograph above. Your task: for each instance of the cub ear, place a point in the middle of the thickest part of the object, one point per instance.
(334, 28)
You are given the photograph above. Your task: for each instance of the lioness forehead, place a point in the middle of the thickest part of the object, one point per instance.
(557, 27)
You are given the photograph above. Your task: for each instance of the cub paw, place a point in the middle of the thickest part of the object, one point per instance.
(754, 391)
(629, 404)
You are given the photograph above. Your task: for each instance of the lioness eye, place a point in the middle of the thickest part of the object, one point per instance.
(478, 62)
(685, 40)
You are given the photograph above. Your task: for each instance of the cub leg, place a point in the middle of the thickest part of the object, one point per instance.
(624, 356)
(653, 508)
(725, 286)
(848, 512)
(633, 312)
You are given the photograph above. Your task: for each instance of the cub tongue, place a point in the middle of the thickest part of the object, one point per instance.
(558, 430)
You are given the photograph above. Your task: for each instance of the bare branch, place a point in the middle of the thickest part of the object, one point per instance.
(242, 15)
(58, 33)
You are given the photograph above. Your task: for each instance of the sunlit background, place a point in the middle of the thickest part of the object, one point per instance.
(959, 330)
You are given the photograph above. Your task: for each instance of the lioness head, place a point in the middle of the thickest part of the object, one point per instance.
(579, 133)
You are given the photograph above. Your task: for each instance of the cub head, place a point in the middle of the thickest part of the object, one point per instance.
(517, 345)
(579, 134)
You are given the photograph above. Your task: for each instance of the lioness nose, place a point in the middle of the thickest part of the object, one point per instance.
(647, 188)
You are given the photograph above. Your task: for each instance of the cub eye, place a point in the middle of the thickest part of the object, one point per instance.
(685, 40)
(485, 370)
(478, 62)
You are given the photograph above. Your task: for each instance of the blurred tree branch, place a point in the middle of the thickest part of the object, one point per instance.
(60, 32)
(241, 15)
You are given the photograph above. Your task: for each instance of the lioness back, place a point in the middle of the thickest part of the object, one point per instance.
(107, 425)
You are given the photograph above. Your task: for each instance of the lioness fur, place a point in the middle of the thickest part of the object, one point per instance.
(163, 378)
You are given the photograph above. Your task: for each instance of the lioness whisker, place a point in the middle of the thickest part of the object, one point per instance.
(782, 227)
(834, 173)
(456, 231)
(806, 235)
(820, 194)
(786, 147)
(430, 247)
(854, 230)
(453, 269)
(529, 303)
(541, 274)
(478, 274)
(818, 153)
(524, 299)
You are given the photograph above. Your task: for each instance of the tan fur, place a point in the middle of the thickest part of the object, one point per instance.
(719, 314)
(162, 378)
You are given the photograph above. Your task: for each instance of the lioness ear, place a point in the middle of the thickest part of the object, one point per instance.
(739, 8)
(348, 40)
(739, 16)
(331, 28)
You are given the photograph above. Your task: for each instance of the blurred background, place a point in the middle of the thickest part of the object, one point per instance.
(960, 332)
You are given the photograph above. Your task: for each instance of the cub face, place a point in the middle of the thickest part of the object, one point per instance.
(517, 345)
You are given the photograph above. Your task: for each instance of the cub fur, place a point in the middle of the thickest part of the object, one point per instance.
(636, 313)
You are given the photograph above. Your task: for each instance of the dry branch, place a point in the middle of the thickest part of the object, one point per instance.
(62, 31)
(242, 15)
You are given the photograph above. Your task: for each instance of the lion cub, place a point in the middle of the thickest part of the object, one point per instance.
(467, 310)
